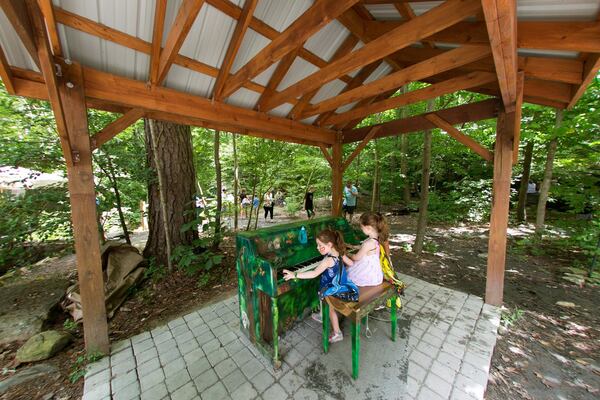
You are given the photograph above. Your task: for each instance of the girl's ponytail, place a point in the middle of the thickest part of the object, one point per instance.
(382, 228)
(339, 243)
(334, 237)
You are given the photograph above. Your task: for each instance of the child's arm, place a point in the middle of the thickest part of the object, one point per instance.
(347, 260)
(366, 247)
(327, 263)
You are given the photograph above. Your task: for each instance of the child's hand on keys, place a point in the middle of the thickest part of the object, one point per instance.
(287, 275)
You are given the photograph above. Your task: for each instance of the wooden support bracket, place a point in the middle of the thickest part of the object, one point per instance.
(359, 148)
(116, 127)
(326, 154)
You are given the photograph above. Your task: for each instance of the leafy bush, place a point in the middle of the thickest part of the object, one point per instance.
(464, 201)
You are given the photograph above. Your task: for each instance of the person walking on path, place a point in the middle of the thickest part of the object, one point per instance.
(350, 195)
(308, 202)
(268, 203)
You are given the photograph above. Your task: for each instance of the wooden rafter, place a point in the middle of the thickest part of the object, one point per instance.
(360, 147)
(407, 13)
(282, 68)
(501, 21)
(6, 73)
(48, 12)
(363, 103)
(157, 34)
(518, 111)
(234, 45)
(298, 32)
(117, 126)
(445, 61)
(460, 137)
(188, 11)
(590, 69)
(456, 115)
(16, 13)
(436, 19)
(472, 79)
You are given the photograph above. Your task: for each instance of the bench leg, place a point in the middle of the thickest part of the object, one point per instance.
(394, 318)
(355, 348)
(325, 318)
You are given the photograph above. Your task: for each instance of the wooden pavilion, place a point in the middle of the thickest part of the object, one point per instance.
(300, 71)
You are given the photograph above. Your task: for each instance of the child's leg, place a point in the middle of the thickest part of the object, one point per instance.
(335, 323)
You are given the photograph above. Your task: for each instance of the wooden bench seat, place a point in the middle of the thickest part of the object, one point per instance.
(369, 298)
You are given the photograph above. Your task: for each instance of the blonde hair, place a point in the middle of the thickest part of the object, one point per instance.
(377, 221)
(334, 237)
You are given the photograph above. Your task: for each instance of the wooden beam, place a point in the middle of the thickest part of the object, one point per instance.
(48, 12)
(407, 14)
(326, 155)
(282, 68)
(501, 22)
(6, 73)
(188, 11)
(518, 111)
(82, 195)
(48, 67)
(230, 9)
(445, 61)
(590, 70)
(160, 10)
(17, 14)
(298, 32)
(494, 286)
(459, 136)
(234, 45)
(456, 115)
(360, 147)
(117, 126)
(434, 20)
(472, 79)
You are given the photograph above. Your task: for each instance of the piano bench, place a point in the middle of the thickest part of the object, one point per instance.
(370, 297)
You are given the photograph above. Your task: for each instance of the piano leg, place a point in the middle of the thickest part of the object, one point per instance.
(355, 347)
(393, 317)
(275, 314)
(325, 319)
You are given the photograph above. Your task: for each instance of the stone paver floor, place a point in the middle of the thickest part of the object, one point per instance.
(443, 351)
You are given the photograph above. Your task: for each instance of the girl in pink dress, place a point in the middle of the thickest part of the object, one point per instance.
(366, 270)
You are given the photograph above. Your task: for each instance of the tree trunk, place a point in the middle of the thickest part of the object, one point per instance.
(236, 183)
(522, 205)
(113, 181)
(252, 210)
(219, 186)
(404, 159)
(424, 201)
(375, 178)
(545, 187)
(173, 144)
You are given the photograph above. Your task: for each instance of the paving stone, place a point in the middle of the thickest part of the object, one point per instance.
(140, 347)
(159, 330)
(188, 346)
(432, 340)
(146, 356)
(305, 347)
(449, 360)
(217, 356)
(244, 392)
(422, 359)
(225, 367)
(99, 378)
(205, 380)
(469, 386)
(97, 367)
(242, 357)
(476, 374)
(180, 330)
(194, 316)
(174, 367)
(175, 323)
(291, 381)
(98, 392)
(129, 392)
(262, 381)
(123, 380)
(167, 357)
(124, 355)
(227, 338)
(213, 323)
(122, 368)
(157, 392)
(457, 351)
(428, 394)
(147, 367)
(215, 392)
(293, 357)
(166, 346)
(177, 380)
(234, 346)
(306, 394)
(152, 379)
(443, 371)
(205, 337)
(141, 337)
(193, 355)
(275, 392)
(198, 367)
(233, 380)
(196, 323)
(120, 345)
(251, 368)
(477, 361)
(416, 371)
(211, 346)
(438, 385)
(458, 394)
(162, 337)
(184, 337)
(186, 392)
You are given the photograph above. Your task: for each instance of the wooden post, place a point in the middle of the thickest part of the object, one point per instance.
(336, 178)
(82, 193)
(505, 130)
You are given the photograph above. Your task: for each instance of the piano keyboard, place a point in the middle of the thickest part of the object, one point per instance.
(308, 266)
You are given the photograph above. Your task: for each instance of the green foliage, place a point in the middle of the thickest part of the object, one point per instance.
(509, 317)
(70, 325)
(430, 247)
(78, 368)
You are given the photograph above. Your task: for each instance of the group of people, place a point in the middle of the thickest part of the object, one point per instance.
(362, 268)
(249, 203)
(349, 195)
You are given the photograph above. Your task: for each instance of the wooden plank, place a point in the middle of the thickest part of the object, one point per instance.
(82, 195)
(117, 126)
(188, 11)
(47, 66)
(160, 10)
(590, 70)
(456, 115)
(518, 110)
(17, 14)
(298, 32)
(494, 286)
(460, 137)
(230, 9)
(472, 79)
(436, 19)
(501, 22)
(282, 68)
(48, 13)
(326, 155)
(234, 45)
(6, 73)
(407, 14)
(360, 147)
(445, 61)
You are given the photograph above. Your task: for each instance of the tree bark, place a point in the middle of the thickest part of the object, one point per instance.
(219, 186)
(236, 183)
(173, 150)
(424, 201)
(545, 187)
(404, 159)
(522, 205)
(375, 178)
(114, 184)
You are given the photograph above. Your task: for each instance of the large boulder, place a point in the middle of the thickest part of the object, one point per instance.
(43, 346)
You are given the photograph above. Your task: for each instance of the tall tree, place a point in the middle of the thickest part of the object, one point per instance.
(375, 187)
(236, 182)
(546, 182)
(521, 206)
(404, 156)
(424, 201)
(219, 187)
(172, 145)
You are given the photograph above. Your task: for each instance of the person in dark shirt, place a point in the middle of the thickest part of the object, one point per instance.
(308, 202)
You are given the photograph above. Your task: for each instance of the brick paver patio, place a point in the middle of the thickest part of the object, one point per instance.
(443, 351)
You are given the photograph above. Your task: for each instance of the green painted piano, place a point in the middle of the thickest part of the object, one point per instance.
(268, 304)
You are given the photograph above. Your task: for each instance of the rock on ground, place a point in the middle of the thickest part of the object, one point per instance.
(43, 346)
